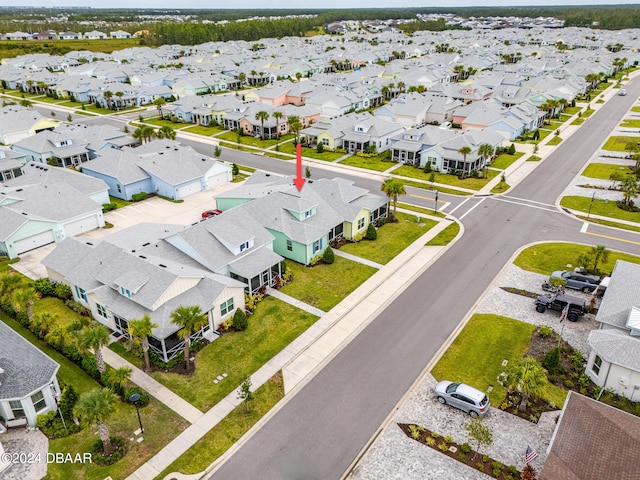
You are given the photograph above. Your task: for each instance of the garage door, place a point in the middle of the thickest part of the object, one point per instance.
(80, 226)
(34, 241)
(217, 179)
(189, 189)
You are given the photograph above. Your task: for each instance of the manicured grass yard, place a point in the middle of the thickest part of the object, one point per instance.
(202, 130)
(635, 109)
(533, 158)
(445, 236)
(555, 140)
(547, 257)
(426, 211)
(604, 170)
(476, 355)
(371, 163)
(161, 425)
(273, 326)
(629, 123)
(327, 155)
(250, 140)
(164, 123)
(54, 306)
(505, 160)
(392, 239)
(221, 437)
(572, 110)
(599, 207)
(324, 286)
(618, 143)
(500, 187)
(444, 178)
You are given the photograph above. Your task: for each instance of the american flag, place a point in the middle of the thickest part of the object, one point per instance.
(565, 310)
(530, 455)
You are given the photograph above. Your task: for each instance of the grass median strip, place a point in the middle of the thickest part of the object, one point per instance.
(618, 143)
(604, 170)
(445, 236)
(604, 208)
(444, 178)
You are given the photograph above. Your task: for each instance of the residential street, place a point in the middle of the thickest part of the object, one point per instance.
(321, 430)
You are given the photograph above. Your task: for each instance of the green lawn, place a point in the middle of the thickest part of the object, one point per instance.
(503, 161)
(253, 141)
(273, 326)
(588, 112)
(392, 239)
(555, 140)
(630, 123)
(604, 170)
(500, 187)
(635, 109)
(446, 179)
(415, 208)
(164, 123)
(56, 307)
(202, 130)
(578, 121)
(119, 202)
(69, 373)
(371, 163)
(327, 155)
(572, 110)
(606, 223)
(221, 437)
(271, 154)
(161, 425)
(599, 207)
(533, 158)
(599, 101)
(431, 188)
(445, 236)
(91, 107)
(476, 355)
(324, 286)
(547, 257)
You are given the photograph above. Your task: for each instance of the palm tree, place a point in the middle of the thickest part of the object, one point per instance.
(93, 338)
(148, 133)
(137, 134)
(118, 377)
(242, 77)
(190, 319)
(24, 298)
(42, 323)
(630, 189)
(262, 116)
(486, 151)
(108, 95)
(294, 125)
(8, 283)
(140, 331)
(159, 103)
(464, 151)
(528, 378)
(26, 103)
(277, 115)
(95, 407)
(392, 188)
(120, 95)
(600, 253)
(401, 87)
(166, 132)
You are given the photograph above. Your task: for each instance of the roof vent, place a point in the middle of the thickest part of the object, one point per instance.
(89, 243)
(146, 244)
(161, 265)
(142, 256)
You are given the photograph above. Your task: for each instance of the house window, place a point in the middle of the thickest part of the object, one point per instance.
(244, 246)
(283, 127)
(597, 364)
(39, 402)
(101, 310)
(80, 293)
(325, 142)
(360, 223)
(119, 189)
(226, 307)
(289, 246)
(125, 291)
(16, 408)
(316, 246)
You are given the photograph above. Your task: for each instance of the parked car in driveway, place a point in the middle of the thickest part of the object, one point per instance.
(576, 306)
(462, 396)
(578, 281)
(211, 213)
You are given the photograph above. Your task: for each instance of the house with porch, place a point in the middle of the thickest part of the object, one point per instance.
(414, 109)
(614, 360)
(18, 123)
(11, 164)
(28, 380)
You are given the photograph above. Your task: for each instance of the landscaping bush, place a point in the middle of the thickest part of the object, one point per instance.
(512, 149)
(98, 455)
(328, 256)
(320, 148)
(107, 207)
(78, 308)
(44, 287)
(372, 233)
(63, 292)
(240, 321)
(551, 360)
(88, 364)
(7, 308)
(144, 396)
(138, 197)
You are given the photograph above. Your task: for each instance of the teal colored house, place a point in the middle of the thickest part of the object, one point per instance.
(304, 223)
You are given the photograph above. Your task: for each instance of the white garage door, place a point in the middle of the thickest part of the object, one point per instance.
(189, 189)
(80, 226)
(217, 179)
(34, 241)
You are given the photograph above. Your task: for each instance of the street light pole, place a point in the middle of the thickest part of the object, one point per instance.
(435, 207)
(135, 398)
(591, 204)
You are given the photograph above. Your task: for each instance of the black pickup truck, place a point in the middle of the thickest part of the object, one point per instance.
(577, 306)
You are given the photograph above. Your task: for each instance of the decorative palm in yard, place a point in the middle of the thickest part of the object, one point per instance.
(392, 188)
(277, 115)
(159, 103)
(191, 319)
(140, 331)
(23, 300)
(528, 377)
(464, 151)
(262, 116)
(95, 407)
(166, 132)
(486, 151)
(93, 338)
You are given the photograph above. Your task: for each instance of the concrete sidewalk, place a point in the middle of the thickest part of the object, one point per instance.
(302, 358)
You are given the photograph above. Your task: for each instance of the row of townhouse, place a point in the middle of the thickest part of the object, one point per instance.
(52, 35)
(151, 269)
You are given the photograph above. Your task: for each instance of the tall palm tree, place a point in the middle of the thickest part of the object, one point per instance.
(26, 103)
(242, 77)
(95, 407)
(262, 116)
(392, 188)
(528, 378)
(93, 338)
(148, 132)
(120, 95)
(118, 377)
(159, 103)
(486, 151)
(190, 319)
(137, 134)
(600, 254)
(277, 115)
(166, 132)
(464, 151)
(294, 125)
(108, 95)
(630, 189)
(8, 283)
(24, 299)
(140, 331)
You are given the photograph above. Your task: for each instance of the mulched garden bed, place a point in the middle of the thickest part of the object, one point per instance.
(461, 453)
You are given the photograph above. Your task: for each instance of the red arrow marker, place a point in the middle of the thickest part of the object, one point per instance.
(299, 181)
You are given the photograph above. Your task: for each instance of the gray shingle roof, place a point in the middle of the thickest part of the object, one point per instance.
(26, 369)
(622, 294)
(616, 347)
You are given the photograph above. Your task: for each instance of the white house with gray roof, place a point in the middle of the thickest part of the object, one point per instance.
(614, 360)
(28, 383)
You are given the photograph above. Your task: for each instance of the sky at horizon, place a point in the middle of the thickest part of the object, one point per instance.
(275, 4)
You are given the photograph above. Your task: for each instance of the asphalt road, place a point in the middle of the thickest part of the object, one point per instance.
(319, 431)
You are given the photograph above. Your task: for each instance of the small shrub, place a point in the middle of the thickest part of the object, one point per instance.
(435, 435)
(568, 383)
(480, 466)
(107, 207)
(577, 361)
(465, 447)
(443, 447)
(462, 457)
(430, 441)
(144, 396)
(545, 331)
(496, 468)
(328, 256)
(485, 458)
(416, 431)
(98, 455)
(372, 234)
(44, 287)
(551, 360)
(448, 439)
(138, 197)
(89, 365)
(240, 321)
(62, 291)
(320, 148)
